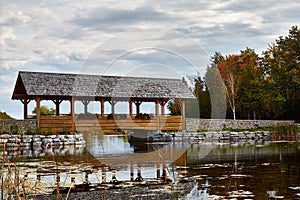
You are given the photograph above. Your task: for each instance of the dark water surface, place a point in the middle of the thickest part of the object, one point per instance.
(231, 170)
(242, 170)
(250, 169)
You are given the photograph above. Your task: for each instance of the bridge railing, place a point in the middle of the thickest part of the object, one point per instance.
(156, 123)
(64, 123)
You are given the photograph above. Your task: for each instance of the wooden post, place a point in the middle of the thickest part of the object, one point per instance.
(183, 114)
(137, 104)
(38, 111)
(137, 108)
(85, 103)
(139, 174)
(157, 114)
(130, 107)
(102, 106)
(158, 171)
(57, 107)
(164, 173)
(104, 180)
(112, 103)
(72, 108)
(57, 103)
(25, 102)
(131, 172)
(162, 104)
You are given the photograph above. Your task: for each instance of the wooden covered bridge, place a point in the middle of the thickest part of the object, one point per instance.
(59, 87)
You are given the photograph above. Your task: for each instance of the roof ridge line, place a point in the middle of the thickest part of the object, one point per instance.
(98, 75)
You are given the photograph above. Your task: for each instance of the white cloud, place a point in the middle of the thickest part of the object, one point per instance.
(6, 33)
(61, 35)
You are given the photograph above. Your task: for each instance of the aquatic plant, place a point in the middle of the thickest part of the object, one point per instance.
(285, 132)
(11, 181)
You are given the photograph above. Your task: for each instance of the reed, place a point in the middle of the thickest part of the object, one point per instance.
(285, 132)
(17, 185)
(10, 181)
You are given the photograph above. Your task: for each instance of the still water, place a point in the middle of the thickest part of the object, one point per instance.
(249, 169)
(231, 170)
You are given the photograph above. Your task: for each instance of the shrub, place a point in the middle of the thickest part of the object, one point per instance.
(144, 116)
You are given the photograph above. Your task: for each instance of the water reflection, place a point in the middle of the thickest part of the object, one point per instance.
(99, 145)
(249, 170)
(227, 170)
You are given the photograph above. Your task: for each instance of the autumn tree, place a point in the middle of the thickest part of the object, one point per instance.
(231, 70)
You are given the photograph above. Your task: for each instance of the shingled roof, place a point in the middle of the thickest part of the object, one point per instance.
(32, 84)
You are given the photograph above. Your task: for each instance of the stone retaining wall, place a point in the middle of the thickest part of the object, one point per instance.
(214, 136)
(17, 126)
(40, 145)
(194, 124)
(16, 142)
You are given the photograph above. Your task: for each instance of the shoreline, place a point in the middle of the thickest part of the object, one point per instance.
(156, 190)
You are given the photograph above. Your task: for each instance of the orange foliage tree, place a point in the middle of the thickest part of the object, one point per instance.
(231, 69)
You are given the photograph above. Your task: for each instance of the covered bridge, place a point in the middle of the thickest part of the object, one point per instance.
(59, 87)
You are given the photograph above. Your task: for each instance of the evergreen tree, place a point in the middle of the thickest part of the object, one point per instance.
(281, 64)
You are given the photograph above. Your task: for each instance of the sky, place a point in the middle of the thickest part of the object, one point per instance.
(169, 39)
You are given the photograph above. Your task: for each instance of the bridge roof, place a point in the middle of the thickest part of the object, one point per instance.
(63, 86)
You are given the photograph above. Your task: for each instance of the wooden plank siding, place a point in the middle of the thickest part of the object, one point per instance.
(64, 123)
(56, 123)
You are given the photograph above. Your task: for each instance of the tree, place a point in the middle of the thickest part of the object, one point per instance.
(174, 107)
(215, 87)
(251, 86)
(201, 93)
(230, 70)
(281, 65)
(45, 110)
(4, 115)
(195, 108)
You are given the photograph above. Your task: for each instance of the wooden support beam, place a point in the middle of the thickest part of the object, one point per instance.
(38, 111)
(137, 104)
(57, 103)
(25, 103)
(72, 109)
(104, 180)
(131, 172)
(157, 114)
(183, 114)
(113, 103)
(162, 104)
(156, 108)
(102, 106)
(85, 103)
(130, 108)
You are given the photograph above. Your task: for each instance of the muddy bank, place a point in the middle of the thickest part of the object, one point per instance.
(139, 191)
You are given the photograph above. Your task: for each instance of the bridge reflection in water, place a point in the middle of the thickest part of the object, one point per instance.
(109, 159)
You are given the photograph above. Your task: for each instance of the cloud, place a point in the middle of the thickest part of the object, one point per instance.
(118, 20)
(68, 36)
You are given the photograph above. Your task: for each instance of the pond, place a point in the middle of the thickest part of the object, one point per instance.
(248, 169)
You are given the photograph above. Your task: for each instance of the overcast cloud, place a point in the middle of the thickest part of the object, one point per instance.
(116, 37)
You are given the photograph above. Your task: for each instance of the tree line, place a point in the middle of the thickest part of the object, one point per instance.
(253, 86)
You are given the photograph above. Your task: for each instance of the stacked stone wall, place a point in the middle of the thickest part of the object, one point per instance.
(194, 124)
(17, 126)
